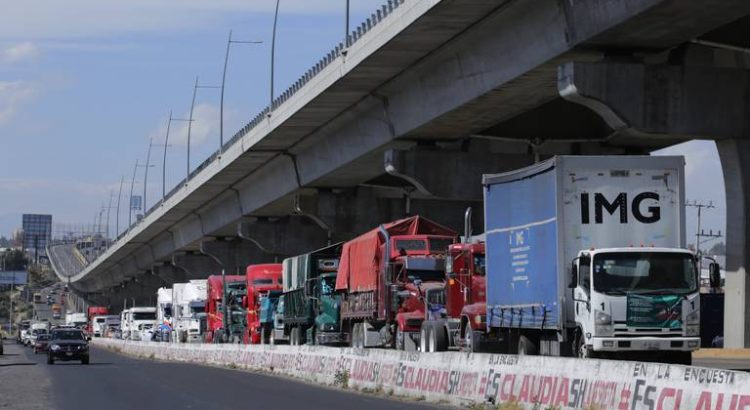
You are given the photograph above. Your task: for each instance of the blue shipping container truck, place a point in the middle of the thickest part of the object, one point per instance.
(582, 250)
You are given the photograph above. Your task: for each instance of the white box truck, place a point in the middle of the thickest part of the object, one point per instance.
(586, 256)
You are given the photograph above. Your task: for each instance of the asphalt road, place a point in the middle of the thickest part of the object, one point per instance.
(113, 381)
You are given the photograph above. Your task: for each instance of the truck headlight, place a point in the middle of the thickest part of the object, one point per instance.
(694, 318)
(602, 318)
(478, 320)
(54, 347)
(603, 324)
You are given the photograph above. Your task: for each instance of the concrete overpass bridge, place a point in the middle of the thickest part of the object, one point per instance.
(433, 94)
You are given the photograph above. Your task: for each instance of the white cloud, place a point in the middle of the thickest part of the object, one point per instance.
(14, 94)
(19, 52)
(55, 19)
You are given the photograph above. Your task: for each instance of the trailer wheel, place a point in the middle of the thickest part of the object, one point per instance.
(400, 341)
(424, 336)
(471, 341)
(438, 338)
(358, 335)
(294, 336)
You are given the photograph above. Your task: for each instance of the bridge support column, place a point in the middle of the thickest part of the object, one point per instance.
(234, 254)
(195, 265)
(735, 161)
(686, 102)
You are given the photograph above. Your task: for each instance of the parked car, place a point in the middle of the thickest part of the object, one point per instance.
(68, 344)
(42, 343)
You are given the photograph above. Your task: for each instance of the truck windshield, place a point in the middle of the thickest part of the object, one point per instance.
(439, 245)
(644, 272)
(327, 285)
(479, 266)
(144, 315)
(425, 275)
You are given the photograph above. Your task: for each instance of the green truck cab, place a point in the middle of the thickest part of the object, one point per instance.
(311, 308)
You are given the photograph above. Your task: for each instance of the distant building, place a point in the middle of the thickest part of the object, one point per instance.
(37, 231)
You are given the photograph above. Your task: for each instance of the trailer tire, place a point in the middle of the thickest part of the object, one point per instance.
(526, 347)
(400, 339)
(424, 336)
(358, 335)
(471, 340)
(294, 336)
(438, 338)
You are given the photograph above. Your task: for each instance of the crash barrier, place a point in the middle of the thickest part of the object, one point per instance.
(464, 379)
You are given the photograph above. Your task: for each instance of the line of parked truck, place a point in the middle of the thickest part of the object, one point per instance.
(581, 256)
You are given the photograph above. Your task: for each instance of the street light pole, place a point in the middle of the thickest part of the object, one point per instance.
(347, 40)
(130, 202)
(190, 126)
(190, 122)
(117, 218)
(273, 54)
(145, 172)
(164, 161)
(223, 84)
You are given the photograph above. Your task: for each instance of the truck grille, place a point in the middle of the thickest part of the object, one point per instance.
(624, 331)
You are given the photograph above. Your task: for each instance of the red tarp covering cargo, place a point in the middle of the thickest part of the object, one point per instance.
(361, 262)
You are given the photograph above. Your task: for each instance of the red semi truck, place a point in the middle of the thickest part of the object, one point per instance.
(94, 311)
(387, 276)
(216, 315)
(463, 322)
(261, 279)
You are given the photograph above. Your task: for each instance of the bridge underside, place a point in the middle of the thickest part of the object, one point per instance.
(495, 85)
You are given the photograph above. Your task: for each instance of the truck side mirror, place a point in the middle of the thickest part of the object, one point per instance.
(573, 276)
(714, 275)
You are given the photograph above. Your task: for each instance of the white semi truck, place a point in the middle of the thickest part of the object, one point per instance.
(76, 319)
(137, 322)
(188, 308)
(586, 256)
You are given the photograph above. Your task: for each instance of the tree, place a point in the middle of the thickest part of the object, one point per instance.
(718, 249)
(15, 259)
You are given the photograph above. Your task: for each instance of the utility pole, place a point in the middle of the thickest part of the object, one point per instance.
(699, 205)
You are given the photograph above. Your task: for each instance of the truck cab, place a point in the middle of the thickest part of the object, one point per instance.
(261, 280)
(418, 267)
(217, 331)
(636, 300)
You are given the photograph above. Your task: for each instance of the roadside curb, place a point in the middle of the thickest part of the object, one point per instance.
(738, 354)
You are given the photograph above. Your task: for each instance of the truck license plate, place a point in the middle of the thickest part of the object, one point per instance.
(68, 353)
(651, 345)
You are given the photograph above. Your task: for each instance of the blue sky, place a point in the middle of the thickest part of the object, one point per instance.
(84, 85)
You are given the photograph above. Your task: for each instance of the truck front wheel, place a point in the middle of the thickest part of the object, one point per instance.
(424, 336)
(438, 338)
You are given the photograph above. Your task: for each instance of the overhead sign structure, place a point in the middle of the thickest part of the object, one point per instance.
(13, 277)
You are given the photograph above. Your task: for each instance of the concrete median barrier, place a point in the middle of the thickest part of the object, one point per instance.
(471, 379)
